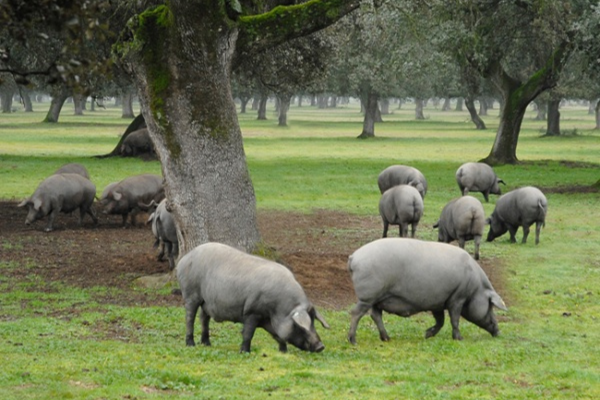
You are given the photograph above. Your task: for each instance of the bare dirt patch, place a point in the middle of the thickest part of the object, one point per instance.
(314, 246)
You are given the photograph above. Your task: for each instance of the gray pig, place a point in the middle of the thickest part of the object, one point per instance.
(124, 197)
(519, 207)
(402, 175)
(407, 276)
(165, 231)
(61, 193)
(230, 285)
(401, 205)
(462, 219)
(73, 168)
(137, 142)
(478, 177)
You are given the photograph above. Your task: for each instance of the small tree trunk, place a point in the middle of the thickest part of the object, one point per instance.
(553, 126)
(591, 108)
(446, 106)
(483, 107)
(419, 109)
(321, 101)
(597, 112)
(262, 107)
(127, 105)
(371, 109)
(384, 106)
(56, 105)
(244, 104)
(284, 106)
(333, 102)
(459, 104)
(542, 109)
(78, 100)
(255, 103)
(470, 104)
(6, 98)
(118, 101)
(313, 100)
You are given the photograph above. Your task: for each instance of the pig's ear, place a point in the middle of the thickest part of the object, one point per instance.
(497, 301)
(436, 225)
(24, 202)
(302, 318)
(37, 203)
(117, 196)
(320, 318)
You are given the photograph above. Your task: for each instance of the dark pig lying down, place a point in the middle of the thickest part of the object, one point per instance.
(227, 284)
(406, 276)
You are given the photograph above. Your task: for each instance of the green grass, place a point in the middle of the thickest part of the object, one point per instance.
(549, 342)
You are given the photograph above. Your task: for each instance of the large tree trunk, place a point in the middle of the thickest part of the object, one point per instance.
(470, 104)
(371, 109)
(208, 185)
(419, 109)
(56, 104)
(127, 105)
(284, 106)
(553, 125)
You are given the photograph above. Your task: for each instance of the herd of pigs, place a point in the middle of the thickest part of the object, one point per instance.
(401, 276)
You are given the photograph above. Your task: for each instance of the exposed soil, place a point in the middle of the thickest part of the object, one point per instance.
(314, 246)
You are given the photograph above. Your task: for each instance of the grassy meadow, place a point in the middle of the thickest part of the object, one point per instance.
(548, 347)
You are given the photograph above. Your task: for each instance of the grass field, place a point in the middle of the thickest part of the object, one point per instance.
(549, 342)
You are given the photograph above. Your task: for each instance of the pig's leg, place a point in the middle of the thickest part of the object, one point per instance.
(269, 328)
(376, 315)
(250, 324)
(191, 309)
(439, 323)
(357, 313)
(204, 321)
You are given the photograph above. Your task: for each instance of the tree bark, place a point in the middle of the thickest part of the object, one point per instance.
(542, 110)
(244, 104)
(553, 125)
(446, 106)
(470, 104)
(127, 105)
(483, 107)
(419, 109)
(459, 104)
(284, 106)
(56, 104)
(371, 109)
(385, 106)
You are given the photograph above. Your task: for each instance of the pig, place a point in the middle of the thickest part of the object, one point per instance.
(401, 205)
(407, 276)
(402, 175)
(478, 177)
(519, 207)
(137, 142)
(107, 190)
(165, 231)
(73, 168)
(462, 219)
(230, 285)
(61, 193)
(125, 196)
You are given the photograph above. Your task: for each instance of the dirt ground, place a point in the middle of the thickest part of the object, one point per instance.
(314, 246)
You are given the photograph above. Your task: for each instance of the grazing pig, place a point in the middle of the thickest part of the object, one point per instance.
(478, 177)
(137, 142)
(107, 190)
(125, 196)
(73, 168)
(462, 219)
(402, 175)
(519, 207)
(165, 231)
(401, 205)
(61, 193)
(229, 285)
(407, 276)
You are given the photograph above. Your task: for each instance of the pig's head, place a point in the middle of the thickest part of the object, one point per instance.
(442, 234)
(115, 203)
(497, 227)
(298, 329)
(480, 310)
(496, 186)
(419, 186)
(36, 211)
